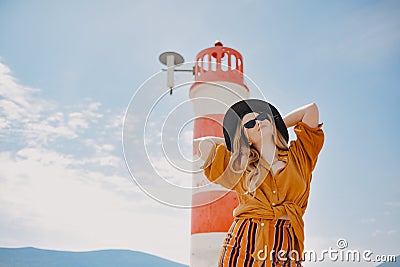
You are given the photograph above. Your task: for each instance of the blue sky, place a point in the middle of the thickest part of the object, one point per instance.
(69, 69)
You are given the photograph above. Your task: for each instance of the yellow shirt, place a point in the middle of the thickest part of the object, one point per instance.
(286, 192)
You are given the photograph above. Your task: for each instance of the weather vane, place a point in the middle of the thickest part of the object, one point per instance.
(172, 60)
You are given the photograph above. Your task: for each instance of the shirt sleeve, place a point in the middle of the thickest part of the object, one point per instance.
(307, 146)
(216, 167)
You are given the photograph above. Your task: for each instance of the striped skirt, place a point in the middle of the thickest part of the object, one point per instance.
(241, 238)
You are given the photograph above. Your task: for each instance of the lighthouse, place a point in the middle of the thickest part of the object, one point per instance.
(218, 84)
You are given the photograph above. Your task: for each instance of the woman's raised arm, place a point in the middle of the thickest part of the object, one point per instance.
(204, 144)
(308, 114)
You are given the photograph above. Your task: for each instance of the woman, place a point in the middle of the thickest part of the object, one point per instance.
(271, 178)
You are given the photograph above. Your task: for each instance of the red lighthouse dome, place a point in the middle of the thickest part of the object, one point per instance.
(217, 64)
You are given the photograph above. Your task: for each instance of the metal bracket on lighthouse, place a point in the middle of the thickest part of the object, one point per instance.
(171, 60)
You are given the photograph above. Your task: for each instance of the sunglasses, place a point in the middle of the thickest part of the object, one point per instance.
(252, 123)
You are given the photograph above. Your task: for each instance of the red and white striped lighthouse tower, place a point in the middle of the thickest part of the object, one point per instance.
(218, 84)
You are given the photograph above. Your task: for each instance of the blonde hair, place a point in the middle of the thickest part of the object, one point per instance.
(246, 157)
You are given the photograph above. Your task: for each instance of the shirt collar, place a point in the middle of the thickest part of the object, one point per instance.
(282, 156)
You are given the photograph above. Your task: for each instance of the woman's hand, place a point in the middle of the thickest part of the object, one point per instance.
(308, 114)
(202, 146)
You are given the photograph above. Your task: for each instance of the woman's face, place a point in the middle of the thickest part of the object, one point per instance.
(261, 130)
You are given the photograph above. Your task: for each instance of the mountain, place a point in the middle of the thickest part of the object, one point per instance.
(33, 257)
(391, 264)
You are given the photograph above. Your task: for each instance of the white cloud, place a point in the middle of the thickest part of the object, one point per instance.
(187, 137)
(369, 220)
(115, 122)
(36, 121)
(64, 184)
(82, 119)
(11, 90)
(395, 204)
(175, 172)
(76, 120)
(74, 209)
(26, 116)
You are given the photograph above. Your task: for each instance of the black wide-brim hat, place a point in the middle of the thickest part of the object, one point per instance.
(236, 112)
